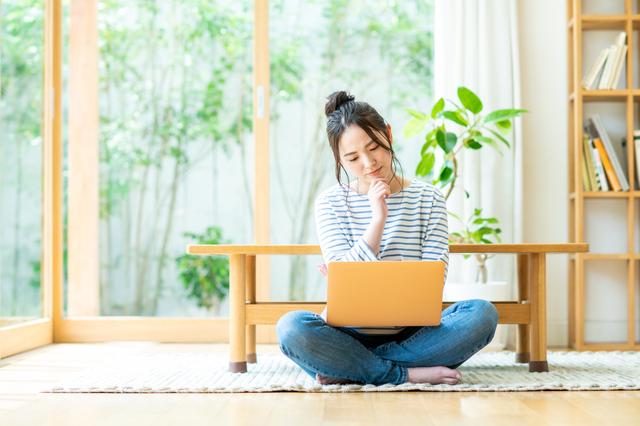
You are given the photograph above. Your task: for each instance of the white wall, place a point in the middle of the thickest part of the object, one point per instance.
(543, 57)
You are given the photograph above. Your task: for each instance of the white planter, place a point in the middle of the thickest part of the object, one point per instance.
(493, 292)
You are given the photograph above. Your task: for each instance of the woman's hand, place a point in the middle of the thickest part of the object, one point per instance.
(379, 192)
(323, 269)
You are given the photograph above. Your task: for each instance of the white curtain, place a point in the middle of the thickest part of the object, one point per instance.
(476, 46)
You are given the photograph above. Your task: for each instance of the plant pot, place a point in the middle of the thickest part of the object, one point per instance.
(493, 292)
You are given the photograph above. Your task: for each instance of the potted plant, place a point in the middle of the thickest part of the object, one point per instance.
(474, 131)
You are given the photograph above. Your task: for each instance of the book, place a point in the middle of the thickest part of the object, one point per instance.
(596, 70)
(601, 176)
(608, 66)
(597, 130)
(606, 163)
(616, 67)
(586, 149)
(585, 173)
(636, 153)
(618, 70)
(636, 142)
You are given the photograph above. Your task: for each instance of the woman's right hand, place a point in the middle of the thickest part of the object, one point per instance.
(379, 192)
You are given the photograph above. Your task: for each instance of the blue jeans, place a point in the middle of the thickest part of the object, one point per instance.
(344, 353)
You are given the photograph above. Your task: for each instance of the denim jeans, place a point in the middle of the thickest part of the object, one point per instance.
(344, 353)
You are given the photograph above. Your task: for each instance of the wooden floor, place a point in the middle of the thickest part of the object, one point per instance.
(22, 376)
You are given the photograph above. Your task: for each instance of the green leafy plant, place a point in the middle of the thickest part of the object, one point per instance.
(473, 130)
(206, 278)
(477, 230)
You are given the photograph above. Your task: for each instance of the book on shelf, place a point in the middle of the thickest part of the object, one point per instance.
(585, 175)
(595, 129)
(608, 68)
(596, 70)
(635, 153)
(602, 177)
(606, 163)
(605, 72)
(588, 155)
(636, 145)
(618, 70)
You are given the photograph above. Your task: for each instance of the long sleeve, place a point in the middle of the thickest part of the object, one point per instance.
(435, 244)
(336, 244)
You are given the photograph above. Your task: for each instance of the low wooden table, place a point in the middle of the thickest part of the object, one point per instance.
(529, 311)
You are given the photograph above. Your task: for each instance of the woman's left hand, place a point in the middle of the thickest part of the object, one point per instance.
(323, 269)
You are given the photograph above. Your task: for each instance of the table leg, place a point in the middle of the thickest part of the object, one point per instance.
(237, 317)
(522, 334)
(251, 298)
(538, 361)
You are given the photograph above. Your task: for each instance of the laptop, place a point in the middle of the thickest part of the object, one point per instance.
(385, 294)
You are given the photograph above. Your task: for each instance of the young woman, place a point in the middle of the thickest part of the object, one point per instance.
(381, 216)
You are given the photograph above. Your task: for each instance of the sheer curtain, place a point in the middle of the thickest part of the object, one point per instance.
(476, 45)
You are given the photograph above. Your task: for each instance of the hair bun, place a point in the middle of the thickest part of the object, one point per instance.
(336, 100)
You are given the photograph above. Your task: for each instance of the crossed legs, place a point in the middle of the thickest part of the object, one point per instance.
(341, 354)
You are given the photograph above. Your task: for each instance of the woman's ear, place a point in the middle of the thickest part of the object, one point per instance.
(389, 134)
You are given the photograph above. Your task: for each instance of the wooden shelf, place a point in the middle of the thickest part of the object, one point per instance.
(606, 256)
(608, 194)
(577, 98)
(605, 95)
(604, 22)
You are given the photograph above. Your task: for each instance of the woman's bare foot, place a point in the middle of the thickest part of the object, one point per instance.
(433, 375)
(323, 380)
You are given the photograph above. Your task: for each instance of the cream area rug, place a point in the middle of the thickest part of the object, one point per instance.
(490, 371)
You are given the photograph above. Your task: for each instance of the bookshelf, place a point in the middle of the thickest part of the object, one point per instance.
(590, 213)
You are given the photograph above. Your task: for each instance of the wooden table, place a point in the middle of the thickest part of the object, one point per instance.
(529, 312)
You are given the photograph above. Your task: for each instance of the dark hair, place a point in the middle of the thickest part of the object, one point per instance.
(343, 112)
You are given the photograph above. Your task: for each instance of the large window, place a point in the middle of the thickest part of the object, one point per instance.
(21, 136)
(175, 154)
(163, 148)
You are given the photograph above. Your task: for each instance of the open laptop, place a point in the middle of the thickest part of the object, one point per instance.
(385, 294)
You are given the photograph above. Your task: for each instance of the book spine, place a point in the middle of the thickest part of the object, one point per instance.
(619, 66)
(602, 178)
(608, 168)
(595, 70)
(586, 148)
(585, 174)
(636, 142)
(608, 68)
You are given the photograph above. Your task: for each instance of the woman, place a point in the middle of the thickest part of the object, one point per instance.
(381, 216)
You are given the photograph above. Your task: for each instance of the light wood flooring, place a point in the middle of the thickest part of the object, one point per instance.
(22, 376)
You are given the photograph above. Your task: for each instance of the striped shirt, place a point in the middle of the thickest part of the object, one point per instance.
(416, 228)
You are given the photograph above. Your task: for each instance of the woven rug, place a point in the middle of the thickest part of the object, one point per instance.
(491, 371)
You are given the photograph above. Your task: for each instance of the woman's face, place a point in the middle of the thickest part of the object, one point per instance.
(363, 157)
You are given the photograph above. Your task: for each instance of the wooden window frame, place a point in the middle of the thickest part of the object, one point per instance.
(22, 337)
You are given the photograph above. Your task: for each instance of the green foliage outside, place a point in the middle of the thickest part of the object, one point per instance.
(175, 83)
(205, 278)
(22, 60)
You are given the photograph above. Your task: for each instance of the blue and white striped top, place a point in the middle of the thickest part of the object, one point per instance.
(416, 227)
